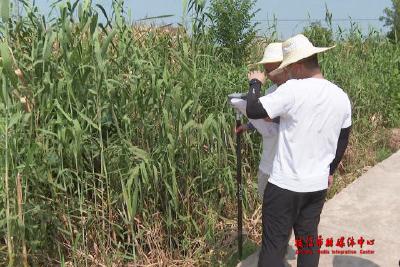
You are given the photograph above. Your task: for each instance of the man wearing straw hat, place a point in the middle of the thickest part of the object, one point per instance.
(268, 129)
(315, 122)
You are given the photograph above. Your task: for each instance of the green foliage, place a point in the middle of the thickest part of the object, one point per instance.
(319, 35)
(199, 16)
(392, 20)
(5, 10)
(232, 26)
(383, 153)
(128, 134)
(368, 70)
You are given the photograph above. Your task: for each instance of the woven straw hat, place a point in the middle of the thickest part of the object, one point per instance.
(272, 54)
(297, 48)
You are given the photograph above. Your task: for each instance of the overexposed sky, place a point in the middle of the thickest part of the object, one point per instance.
(292, 15)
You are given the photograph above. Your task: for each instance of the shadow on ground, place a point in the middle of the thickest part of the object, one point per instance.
(338, 261)
(249, 248)
(252, 260)
(352, 261)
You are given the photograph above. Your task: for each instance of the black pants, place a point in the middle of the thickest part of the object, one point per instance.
(283, 210)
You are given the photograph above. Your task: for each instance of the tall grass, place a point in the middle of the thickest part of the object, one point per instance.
(126, 152)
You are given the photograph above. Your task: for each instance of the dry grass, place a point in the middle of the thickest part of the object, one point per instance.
(395, 139)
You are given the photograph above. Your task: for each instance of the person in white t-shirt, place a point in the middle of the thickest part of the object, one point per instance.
(315, 123)
(268, 129)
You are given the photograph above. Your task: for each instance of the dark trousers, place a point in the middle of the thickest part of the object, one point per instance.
(283, 210)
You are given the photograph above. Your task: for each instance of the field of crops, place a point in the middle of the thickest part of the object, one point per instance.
(117, 144)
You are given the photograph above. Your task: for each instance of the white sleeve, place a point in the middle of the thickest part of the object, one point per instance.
(347, 116)
(239, 104)
(279, 102)
(265, 128)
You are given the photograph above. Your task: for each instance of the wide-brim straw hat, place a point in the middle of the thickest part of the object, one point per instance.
(297, 48)
(272, 54)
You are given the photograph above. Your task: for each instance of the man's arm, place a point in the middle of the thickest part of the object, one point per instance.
(276, 104)
(341, 148)
(254, 108)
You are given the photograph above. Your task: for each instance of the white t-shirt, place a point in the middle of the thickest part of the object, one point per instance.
(268, 130)
(312, 112)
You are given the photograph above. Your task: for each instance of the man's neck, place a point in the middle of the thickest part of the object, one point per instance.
(314, 73)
